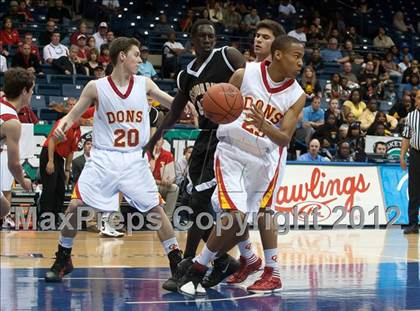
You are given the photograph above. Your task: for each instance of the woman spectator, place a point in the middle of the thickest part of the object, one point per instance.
(187, 22)
(356, 142)
(104, 57)
(92, 62)
(310, 83)
(354, 104)
(380, 118)
(334, 109)
(91, 42)
(389, 66)
(329, 131)
(205, 14)
(333, 88)
(9, 35)
(215, 13)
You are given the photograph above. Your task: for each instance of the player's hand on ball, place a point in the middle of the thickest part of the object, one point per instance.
(256, 117)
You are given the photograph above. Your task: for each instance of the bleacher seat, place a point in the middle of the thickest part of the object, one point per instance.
(38, 102)
(166, 85)
(2, 78)
(83, 80)
(48, 89)
(49, 115)
(60, 79)
(48, 69)
(58, 99)
(72, 90)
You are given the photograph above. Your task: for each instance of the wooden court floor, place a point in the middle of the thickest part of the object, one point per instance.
(343, 269)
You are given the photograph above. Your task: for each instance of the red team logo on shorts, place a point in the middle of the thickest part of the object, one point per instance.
(173, 246)
(274, 258)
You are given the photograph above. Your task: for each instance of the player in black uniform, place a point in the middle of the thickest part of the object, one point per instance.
(211, 66)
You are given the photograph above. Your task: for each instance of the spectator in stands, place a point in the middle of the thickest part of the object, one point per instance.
(331, 54)
(83, 49)
(405, 63)
(59, 13)
(347, 87)
(145, 67)
(55, 49)
(329, 131)
(189, 116)
(104, 57)
(231, 18)
(99, 72)
(205, 14)
(413, 68)
(45, 37)
(252, 19)
(92, 62)
(344, 127)
(395, 54)
(24, 11)
(382, 41)
(354, 104)
(333, 88)
(216, 13)
(163, 168)
(349, 55)
(379, 148)
(380, 119)
(14, 13)
(369, 72)
(413, 83)
(390, 94)
(298, 32)
(181, 166)
(401, 109)
(352, 35)
(81, 31)
(313, 153)
(310, 83)
(3, 63)
(248, 57)
(368, 116)
(9, 35)
(100, 35)
(108, 8)
(400, 25)
(187, 22)
(348, 72)
(314, 36)
(405, 51)
(171, 50)
(357, 142)
(34, 49)
(316, 62)
(312, 118)
(71, 64)
(110, 37)
(286, 10)
(334, 109)
(343, 153)
(79, 163)
(162, 27)
(91, 43)
(26, 59)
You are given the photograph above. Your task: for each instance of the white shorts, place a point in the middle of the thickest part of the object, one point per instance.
(106, 173)
(6, 179)
(245, 182)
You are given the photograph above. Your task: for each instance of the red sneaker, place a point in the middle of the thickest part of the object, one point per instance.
(268, 283)
(244, 271)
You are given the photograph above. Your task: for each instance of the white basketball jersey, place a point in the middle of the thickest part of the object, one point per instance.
(274, 99)
(121, 121)
(7, 112)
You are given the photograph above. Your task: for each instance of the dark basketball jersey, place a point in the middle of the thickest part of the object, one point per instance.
(216, 69)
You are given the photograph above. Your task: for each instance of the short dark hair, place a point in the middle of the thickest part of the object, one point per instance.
(121, 44)
(375, 146)
(200, 22)
(15, 80)
(283, 43)
(275, 27)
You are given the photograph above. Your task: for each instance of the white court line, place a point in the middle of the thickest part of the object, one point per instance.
(105, 278)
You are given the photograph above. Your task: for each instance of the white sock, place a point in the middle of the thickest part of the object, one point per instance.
(245, 247)
(66, 242)
(270, 256)
(205, 256)
(170, 244)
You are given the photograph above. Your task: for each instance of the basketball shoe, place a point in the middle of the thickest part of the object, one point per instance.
(181, 268)
(268, 283)
(244, 271)
(223, 267)
(107, 230)
(190, 283)
(62, 265)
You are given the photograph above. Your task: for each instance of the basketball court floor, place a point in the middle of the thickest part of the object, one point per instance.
(321, 270)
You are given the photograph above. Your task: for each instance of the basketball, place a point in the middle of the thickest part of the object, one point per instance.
(223, 103)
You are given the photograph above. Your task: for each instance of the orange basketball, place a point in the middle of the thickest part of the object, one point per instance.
(223, 103)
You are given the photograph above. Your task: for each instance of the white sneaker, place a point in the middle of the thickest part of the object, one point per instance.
(8, 222)
(108, 230)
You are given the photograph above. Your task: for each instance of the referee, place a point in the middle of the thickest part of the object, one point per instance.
(411, 139)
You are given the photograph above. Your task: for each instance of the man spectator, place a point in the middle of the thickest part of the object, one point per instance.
(379, 148)
(312, 118)
(343, 153)
(348, 72)
(110, 36)
(71, 64)
(99, 72)
(382, 41)
(79, 163)
(286, 9)
(81, 31)
(181, 166)
(83, 49)
(171, 50)
(368, 116)
(413, 68)
(34, 49)
(45, 37)
(58, 13)
(26, 60)
(109, 7)
(331, 54)
(145, 67)
(231, 18)
(163, 167)
(252, 19)
(369, 72)
(55, 49)
(100, 35)
(162, 26)
(9, 35)
(313, 154)
(298, 32)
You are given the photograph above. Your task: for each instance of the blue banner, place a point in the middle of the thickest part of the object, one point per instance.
(395, 190)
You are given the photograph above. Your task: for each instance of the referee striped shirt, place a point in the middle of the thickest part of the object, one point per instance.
(412, 129)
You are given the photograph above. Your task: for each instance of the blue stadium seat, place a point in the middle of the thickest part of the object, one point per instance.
(166, 85)
(38, 102)
(60, 79)
(83, 80)
(72, 90)
(48, 89)
(48, 115)
(48, 69)
(58, 99)
(1, 78)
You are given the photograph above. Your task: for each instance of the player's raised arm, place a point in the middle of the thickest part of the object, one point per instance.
(280, 136)
(89, 94)
(154, 91)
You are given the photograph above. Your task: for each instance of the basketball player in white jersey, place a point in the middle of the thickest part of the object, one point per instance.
(120, 130)
(18, 89)
(253, 145)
